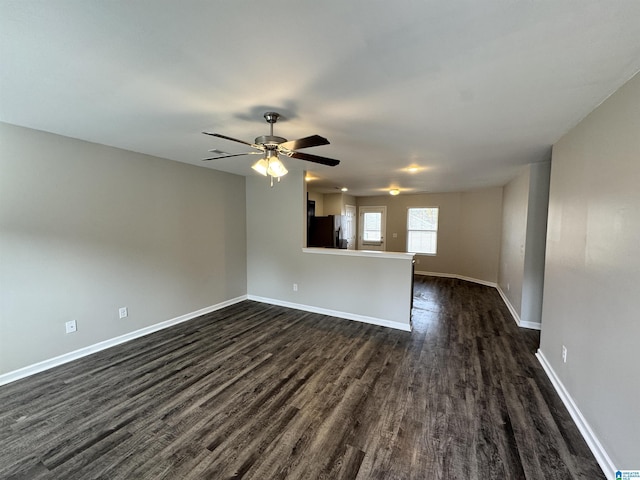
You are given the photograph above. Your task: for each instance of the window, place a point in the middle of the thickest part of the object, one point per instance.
(422, 230)
(372, 226)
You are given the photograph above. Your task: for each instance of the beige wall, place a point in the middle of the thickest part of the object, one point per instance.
(332, 203)
(468, 231)
(592, 276)
(86, 229)
(348, 200)
(319, 199)
(480, 226)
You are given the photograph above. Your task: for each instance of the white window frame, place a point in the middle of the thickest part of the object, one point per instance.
(433, 254)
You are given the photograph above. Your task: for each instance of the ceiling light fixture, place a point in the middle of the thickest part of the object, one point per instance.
(394, 192)
(270, 165)
(271, 145)
(344, 189)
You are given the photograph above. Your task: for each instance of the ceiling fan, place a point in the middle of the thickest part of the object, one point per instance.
(269, 146)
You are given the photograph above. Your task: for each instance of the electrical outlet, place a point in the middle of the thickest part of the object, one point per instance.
(123, 312)
(70, 326)
(295, 287)
(564, 354)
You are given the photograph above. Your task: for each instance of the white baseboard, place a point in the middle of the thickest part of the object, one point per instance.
(588, 434)
(512, 310)
(334, 313)
(530, 325)
(514, 313)
(83, 352)
(459, 277)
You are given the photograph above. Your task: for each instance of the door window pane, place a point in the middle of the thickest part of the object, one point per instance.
(372, 227)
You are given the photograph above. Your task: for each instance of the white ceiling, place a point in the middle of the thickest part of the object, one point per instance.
(466, 90)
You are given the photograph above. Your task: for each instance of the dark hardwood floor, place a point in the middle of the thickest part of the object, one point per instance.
(264, 392)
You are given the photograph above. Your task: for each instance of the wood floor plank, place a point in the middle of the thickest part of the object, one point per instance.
(256, 391)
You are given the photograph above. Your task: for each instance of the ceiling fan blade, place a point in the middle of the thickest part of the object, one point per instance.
(220, 152)
(313, 158)
(228, 138)
(306, 142)
(234, 155)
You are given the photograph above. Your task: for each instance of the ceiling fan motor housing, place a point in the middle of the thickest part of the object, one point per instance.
(267, 140)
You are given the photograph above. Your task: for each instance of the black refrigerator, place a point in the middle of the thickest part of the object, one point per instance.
(326, 232)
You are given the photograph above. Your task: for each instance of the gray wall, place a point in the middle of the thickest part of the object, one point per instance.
(85, 229)
(468, 231)
(524, 228)
(592, 276)
(276, 220)
(535, 244)
(514, 231)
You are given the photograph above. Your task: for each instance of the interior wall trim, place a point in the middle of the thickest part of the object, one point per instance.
(602, 457)
(83, 352)
(333, 313)
(512, 310)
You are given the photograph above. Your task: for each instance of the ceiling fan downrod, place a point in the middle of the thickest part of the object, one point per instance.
(271, 139)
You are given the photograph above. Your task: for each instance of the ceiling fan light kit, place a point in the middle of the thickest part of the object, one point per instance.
(272, 166)
(270, 145)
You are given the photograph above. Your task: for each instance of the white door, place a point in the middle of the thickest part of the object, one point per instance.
(371, 228)
(350, 226)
